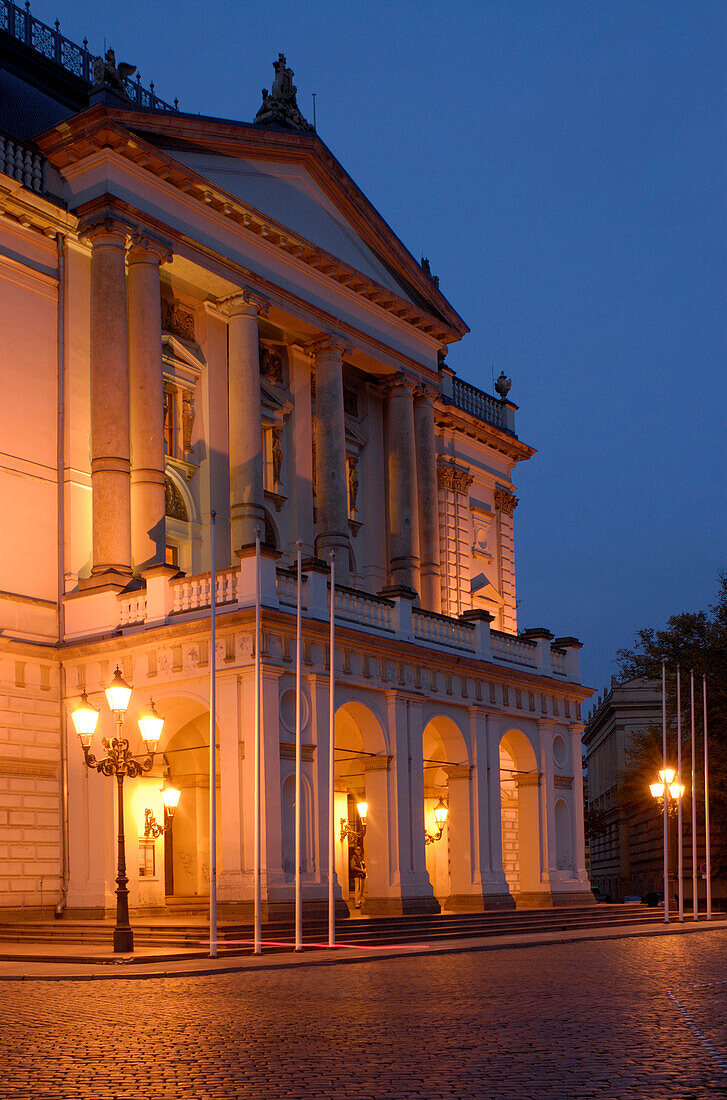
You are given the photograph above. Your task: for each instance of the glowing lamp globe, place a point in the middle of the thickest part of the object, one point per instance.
(657, 789)
(118, 693)
(667, 776)
(676, 790)
(170, 798)
(151, 726)
(362, 808)
(440, 814)
(85, 719)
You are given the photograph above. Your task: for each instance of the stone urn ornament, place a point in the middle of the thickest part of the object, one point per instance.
(502, 385)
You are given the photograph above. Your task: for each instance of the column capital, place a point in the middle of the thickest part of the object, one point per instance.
(300, 351)
(424, 394)
(505, 501)
(144, 248)
(401, 382)
(245, 302)
(105, 229)
(329, 344)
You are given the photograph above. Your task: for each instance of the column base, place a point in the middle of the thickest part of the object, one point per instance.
(113, 578)
(478, 903)
(552, 899)
(399, 907)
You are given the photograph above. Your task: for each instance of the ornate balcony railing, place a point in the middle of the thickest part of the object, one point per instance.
(479, 404)
(22, 162)
(75, 59)
(133, 609)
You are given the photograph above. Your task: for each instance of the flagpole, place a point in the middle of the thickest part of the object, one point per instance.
(708, 859)
(298, 750)
(257, 937)
(680, 857)
(213, 747)
(331, 758)
(666, 793)
(695, 900)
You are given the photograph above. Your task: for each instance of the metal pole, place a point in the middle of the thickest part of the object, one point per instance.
(680, 854)
(708, 859)
(123, 935)
(298, 753)
(256, 859)
(213, 746)
(331, 758)
(695, 900)
(666, 794)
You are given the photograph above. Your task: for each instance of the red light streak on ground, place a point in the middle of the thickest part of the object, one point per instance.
(347, 946)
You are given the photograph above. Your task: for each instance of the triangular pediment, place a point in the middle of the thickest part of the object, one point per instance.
(288, 195)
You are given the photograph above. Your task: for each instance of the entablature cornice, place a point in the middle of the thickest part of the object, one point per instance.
(449, 416)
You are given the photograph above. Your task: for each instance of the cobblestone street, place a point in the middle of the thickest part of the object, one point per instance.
(627, 1018)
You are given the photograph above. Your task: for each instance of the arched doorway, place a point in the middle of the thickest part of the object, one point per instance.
(519, 806)
(361, 774)
(187, 841)
(446, 780)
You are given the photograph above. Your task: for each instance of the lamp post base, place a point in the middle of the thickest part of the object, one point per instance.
(123, 940)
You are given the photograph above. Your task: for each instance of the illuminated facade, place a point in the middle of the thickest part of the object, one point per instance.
(203, 315)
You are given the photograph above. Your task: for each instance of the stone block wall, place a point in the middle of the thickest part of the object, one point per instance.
(30, 784)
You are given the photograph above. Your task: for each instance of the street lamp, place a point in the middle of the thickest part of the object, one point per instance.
(668, 793)
(170, 798)
(440, 816)
(352, 832)
(121, 762)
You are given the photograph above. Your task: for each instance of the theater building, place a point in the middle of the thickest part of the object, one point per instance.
(207, 316)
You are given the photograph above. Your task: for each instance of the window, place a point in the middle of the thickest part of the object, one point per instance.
(147, 858)
(172, 556)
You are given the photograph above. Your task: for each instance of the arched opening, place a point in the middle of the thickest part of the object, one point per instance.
(447, 781)
(361, 775)
(519, 788)
(187, 841)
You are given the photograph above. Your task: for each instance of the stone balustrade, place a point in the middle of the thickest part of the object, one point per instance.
(396, 618)
(513, 649)
(363, 608)
(22, 162)
(428, 626)
(195, 593)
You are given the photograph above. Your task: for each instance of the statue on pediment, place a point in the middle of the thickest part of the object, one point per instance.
(107, 72)
(280, 104)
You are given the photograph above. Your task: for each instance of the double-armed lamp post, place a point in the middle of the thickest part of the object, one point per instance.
(119, 761)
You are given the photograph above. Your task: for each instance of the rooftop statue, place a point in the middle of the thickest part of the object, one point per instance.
(106, 72)
(280, 105)
(502, 385)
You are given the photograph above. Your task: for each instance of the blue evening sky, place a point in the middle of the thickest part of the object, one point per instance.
(563, 167)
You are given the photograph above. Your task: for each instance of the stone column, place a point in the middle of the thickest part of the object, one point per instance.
(110, 442)
(487, 810)
(301, 470)
(246, 440)
(331, 474)
(402, 482)
(147, 402)
(427, 482)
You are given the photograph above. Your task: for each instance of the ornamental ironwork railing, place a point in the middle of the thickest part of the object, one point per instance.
(48, 41)
(478, 403)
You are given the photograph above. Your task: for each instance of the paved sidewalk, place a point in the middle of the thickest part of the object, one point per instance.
(50, 962)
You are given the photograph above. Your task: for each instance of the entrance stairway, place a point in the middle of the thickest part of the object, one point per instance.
(192, 933)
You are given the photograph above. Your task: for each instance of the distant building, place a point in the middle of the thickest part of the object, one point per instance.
(626, 840)
(202, 315)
